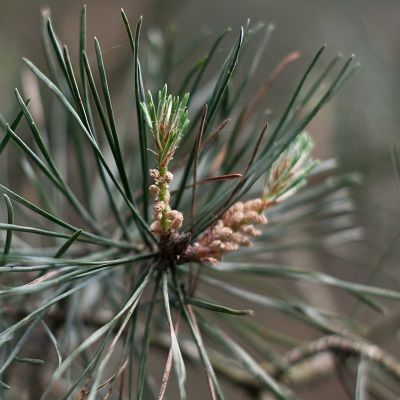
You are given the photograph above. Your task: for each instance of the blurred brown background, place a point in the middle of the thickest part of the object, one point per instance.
(360, 126)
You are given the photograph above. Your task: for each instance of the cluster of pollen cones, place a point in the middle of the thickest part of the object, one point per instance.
(234, 230)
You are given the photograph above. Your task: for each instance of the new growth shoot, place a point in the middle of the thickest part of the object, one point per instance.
(167, 122)
(290, 171)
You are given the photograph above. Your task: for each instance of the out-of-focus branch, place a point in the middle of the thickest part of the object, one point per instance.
(342, 345)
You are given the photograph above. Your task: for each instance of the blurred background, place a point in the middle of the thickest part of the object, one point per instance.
(359, 127)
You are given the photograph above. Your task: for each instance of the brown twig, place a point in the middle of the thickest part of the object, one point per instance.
(211, 137)
(212, 179)
(168, 366)
(196, 327)
(250, 163)
(256, 100)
